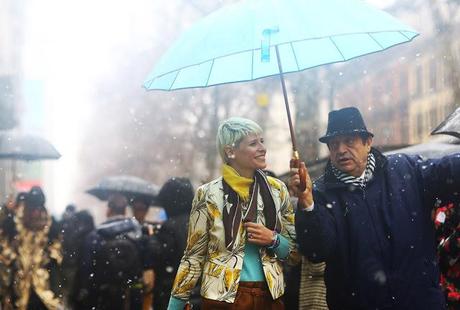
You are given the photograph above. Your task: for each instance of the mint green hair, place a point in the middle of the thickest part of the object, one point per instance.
(232, 131)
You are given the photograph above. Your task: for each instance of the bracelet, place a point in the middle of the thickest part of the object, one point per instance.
(275, 241)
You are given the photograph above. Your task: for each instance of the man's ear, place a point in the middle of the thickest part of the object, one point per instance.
(369, 142)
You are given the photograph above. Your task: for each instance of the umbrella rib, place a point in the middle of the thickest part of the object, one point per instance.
(330, 38)
(210, 70)
(404, 35)
(174, 81)
(150, 84)
(295, 56)
(376, 41)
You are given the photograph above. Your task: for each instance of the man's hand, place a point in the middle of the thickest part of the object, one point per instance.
(258, 234)
(305, 197)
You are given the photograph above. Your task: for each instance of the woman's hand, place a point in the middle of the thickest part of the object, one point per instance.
(305, 197)
(258, 234)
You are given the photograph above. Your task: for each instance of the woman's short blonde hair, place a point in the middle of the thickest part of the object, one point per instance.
(232, 131)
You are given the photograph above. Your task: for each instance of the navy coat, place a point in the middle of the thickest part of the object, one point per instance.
(379, 243)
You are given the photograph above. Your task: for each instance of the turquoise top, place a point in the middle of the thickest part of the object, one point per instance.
(252, 267)
(252, 264)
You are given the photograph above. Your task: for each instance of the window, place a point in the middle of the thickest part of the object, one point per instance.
(403, 84)
(446, 74)
(376, 94)
(433, 118)
(419, 125)
(433, 75)
(418, 81)
(388, 86)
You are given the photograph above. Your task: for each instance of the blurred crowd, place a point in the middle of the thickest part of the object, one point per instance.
(126, 262)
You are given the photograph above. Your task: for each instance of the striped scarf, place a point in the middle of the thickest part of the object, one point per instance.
(357, 181)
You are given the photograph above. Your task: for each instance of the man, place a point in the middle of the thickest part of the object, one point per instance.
(140, 206)
(112, 262)
(371, 220)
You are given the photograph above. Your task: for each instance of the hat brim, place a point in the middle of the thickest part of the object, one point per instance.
(326, 138)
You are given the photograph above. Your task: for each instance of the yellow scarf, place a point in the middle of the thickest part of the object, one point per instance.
(239, 184)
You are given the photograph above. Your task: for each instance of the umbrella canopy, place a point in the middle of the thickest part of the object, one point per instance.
(26, 147)
(450, 126)
(130, 186)
(258, 38)
(235, 43)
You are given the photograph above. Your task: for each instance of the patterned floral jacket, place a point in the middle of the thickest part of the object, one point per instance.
(207, 256)
(30, 260)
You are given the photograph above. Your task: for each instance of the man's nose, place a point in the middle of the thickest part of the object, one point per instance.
(341, 148)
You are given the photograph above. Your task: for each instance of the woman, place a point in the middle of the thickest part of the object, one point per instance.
(31, 257)
(241, 227)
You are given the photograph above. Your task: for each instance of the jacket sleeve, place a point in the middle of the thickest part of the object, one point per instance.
(316, 232)
(440, 177)
(191, 264)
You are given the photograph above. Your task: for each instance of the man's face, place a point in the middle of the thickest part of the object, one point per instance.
(140, 210)
(348, 153)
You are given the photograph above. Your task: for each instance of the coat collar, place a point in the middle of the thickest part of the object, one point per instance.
(329, 181)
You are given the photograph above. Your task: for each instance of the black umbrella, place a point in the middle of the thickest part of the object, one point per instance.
(450, 126)
(26, 147)
(130, 186)
(17, 146)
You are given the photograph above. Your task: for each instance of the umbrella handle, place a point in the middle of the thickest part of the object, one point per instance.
(295, 163)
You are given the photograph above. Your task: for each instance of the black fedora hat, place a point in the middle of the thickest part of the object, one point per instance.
(344, 122)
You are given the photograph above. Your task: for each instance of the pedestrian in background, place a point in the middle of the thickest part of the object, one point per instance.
(76, 226)
(31, 257)
(167, 246)
(446, 217)
(112, 262)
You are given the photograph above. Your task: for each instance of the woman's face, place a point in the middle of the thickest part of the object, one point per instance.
(249, 155)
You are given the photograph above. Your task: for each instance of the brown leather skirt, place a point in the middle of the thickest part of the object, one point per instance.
(250, 296)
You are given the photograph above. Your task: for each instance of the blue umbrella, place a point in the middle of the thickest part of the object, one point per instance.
(258, 38)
